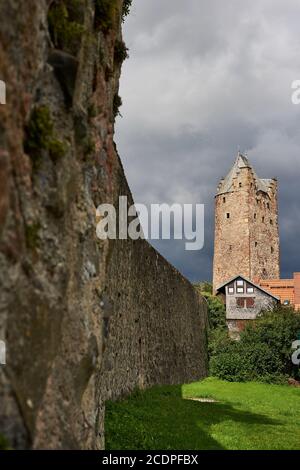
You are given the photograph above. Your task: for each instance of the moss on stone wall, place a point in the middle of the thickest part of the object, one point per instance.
(39, 130)
(39, 136)
(57, 149)
(106, 12)
(32, 235)
(65, 19)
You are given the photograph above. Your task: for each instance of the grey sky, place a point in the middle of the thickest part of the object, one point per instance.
(204, 78)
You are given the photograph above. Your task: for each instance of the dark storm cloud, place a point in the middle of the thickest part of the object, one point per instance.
(204, 79)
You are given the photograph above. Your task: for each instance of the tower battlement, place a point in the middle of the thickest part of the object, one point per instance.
(246, 226)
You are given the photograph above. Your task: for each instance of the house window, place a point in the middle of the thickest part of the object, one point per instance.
(240, 302)
(250, 302)
(230, 290)
(245, 302)
(286, 302)
(250, 290)
(228, 215)
(240, 286)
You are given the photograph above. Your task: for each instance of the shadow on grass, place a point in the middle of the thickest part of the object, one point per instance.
(160, 419)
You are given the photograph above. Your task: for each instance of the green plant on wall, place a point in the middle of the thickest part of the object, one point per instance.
(39, 136)
(105, 14)
(116, 105)
(65, 20)
(39, 130)
(57, 149)
(120, 52)
(88, 146)
(107, 11)
(32, 235)
(126, 8)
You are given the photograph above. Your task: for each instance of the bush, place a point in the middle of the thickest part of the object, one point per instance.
(278, 329)
(205, 287)
(216, 312)
(215, 307)
(263, 352)
(218, 340)
(242, 362)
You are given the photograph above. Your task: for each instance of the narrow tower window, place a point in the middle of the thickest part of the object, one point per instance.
(255, 215)
(263, 219)
(224, 199)
(271, 221)
(272, 250)
(228, 215)
(240, 185)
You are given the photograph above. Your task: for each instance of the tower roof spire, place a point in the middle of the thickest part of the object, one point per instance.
(241, 161)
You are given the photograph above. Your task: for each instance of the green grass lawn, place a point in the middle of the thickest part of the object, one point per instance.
(244, 416)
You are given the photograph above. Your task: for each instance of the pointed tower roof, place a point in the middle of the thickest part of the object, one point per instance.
(226, 184)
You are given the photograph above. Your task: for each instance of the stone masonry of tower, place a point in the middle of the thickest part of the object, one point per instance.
(246, 226)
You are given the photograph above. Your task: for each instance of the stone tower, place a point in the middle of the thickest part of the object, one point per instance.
(246, 226)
